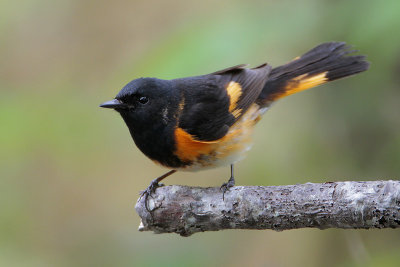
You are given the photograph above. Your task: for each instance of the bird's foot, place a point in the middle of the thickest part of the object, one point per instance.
(152, 188)
(226, 186)
(149, 191)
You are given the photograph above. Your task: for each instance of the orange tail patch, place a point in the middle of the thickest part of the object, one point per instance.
(301, 83)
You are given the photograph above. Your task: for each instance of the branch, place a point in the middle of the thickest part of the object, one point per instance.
(187, 210)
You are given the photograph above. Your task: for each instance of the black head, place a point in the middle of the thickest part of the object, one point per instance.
(148, 107)
(144, 102)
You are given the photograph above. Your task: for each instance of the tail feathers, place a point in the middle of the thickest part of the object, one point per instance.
(324, 63)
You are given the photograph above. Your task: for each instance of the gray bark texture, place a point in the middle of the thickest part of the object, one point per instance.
(348, 205)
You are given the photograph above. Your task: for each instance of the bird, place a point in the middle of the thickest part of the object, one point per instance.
(206, 121)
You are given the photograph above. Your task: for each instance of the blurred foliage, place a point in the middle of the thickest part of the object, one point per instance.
(70, 172)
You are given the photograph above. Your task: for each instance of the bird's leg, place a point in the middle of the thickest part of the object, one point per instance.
(153, 186)
(226, 186)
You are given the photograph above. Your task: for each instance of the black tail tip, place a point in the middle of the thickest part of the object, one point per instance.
(338, 59)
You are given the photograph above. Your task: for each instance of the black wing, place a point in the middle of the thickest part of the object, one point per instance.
(210, 104)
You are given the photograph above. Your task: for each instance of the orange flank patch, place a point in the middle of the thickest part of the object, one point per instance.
(301, 83)
(238, 138)
(234, 91)
(188, 148)
(224, 151)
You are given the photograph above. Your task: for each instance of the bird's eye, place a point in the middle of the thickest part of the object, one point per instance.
(143, 100)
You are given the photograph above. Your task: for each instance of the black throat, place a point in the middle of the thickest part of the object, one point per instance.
(155, 139)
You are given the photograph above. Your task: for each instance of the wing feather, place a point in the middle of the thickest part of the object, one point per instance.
(213, 103)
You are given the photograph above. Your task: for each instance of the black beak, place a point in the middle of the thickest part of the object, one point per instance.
(115, 103)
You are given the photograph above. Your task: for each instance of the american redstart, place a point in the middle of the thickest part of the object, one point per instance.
(206, 121)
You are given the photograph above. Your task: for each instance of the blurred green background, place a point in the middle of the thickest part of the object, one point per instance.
(70, 174)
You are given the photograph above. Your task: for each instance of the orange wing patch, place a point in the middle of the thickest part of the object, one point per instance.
(301, 83)
(234, 91)
(188, 148)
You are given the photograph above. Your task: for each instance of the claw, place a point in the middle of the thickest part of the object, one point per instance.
(226, 186)
(149, 191)
(152, 188)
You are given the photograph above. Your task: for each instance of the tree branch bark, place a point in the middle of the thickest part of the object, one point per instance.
(187, 210)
